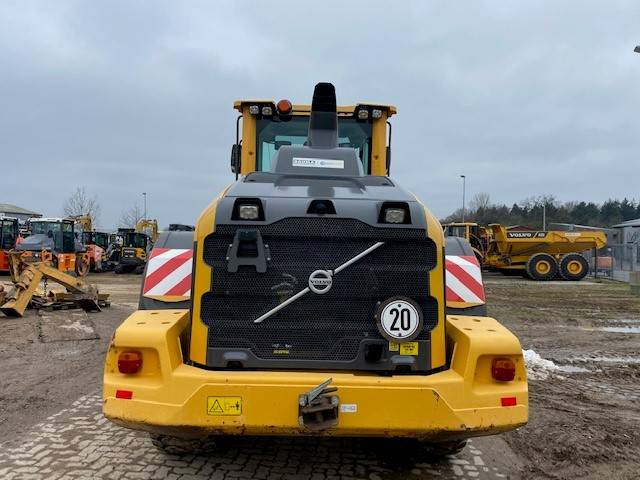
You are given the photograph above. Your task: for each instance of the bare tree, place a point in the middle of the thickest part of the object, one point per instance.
(480, 201)
(131, 216)
(80, 203)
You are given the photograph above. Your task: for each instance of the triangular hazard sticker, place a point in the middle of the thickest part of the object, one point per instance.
(216, 408)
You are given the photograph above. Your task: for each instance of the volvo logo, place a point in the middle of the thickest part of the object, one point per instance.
(320, 281)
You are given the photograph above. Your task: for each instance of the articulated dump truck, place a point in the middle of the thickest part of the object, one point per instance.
(313, 299)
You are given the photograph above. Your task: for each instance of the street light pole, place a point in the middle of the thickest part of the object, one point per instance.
(464, 191)
(144, 195)
(544, 216)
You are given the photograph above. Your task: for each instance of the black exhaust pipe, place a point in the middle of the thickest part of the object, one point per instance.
(323, 121)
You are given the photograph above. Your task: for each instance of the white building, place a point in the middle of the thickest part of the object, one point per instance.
(22, 214)
(627, 232)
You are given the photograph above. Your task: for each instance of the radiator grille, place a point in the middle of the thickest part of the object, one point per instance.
(315, 327)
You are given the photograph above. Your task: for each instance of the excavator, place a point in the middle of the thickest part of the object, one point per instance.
(136, 244)
(311, 299)
(95, 242)
(9, 237)
(53, 241)
(26, 274)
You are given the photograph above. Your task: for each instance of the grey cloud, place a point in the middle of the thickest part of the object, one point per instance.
(126, 97)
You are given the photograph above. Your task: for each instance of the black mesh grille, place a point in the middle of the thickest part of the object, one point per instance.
(315, 327)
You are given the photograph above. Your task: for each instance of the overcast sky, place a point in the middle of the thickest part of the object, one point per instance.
(126, 97)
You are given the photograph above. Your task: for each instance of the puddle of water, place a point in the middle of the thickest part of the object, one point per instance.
(605, 359)
(572, 369)
(619, 329)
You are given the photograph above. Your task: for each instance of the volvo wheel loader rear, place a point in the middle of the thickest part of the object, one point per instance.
(315, 303)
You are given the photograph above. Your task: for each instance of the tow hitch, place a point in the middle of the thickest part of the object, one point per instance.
(316, 409)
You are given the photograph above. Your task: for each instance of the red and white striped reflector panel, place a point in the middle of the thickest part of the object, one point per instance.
(464, 279)
(169, 272)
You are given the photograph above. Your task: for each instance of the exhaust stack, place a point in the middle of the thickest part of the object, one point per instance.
(323, 121)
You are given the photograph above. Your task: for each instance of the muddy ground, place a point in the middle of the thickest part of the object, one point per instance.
(584, 417)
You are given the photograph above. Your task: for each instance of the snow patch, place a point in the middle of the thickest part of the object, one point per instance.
(78, 327)
(620, 329)
(539, 368)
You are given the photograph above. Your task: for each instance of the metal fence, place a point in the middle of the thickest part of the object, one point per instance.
(614, 261)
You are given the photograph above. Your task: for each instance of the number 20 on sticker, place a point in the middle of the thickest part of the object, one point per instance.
(399, 319)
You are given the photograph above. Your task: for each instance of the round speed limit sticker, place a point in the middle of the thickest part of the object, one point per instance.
(399, 319)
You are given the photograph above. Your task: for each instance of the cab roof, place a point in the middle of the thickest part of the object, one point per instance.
(305, 109)
(50, 219)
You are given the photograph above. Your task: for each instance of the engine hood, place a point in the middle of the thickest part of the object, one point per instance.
(284, 196)
(38, 241)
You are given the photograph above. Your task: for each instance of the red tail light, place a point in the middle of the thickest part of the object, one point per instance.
(503, 369)
(129, 362)
(124, 394)
(508, 401)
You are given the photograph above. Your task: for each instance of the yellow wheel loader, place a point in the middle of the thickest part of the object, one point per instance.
(310, 300)
(136, 244)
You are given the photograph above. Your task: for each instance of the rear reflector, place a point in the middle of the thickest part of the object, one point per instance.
(124, 394)
(503, 369)
(129, 362)
(508, 401)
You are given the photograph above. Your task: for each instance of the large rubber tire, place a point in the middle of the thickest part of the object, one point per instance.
(82, 268)
(119, 269)
(182, 446)
(573, 266)
(541, 267)
(440, 450)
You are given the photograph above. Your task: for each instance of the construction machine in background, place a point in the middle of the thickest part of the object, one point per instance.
(477, 236)
(538, 255)
(542, 255)
(136, 244)
(312, 299)
(9, 238)
(95, 242)
(53, 242)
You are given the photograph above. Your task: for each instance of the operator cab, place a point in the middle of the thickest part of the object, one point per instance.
(132, 239)
(100, 239)
(362, 127)
(8, 233)
(53, 234)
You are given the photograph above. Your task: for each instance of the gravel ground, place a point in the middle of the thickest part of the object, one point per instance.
(584, 405)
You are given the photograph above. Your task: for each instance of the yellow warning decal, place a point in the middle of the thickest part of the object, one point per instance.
(224, 405)
(409, 348)
(394, 346)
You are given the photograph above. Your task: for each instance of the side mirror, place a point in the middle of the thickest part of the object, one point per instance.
(389, 160)
(236, 155)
